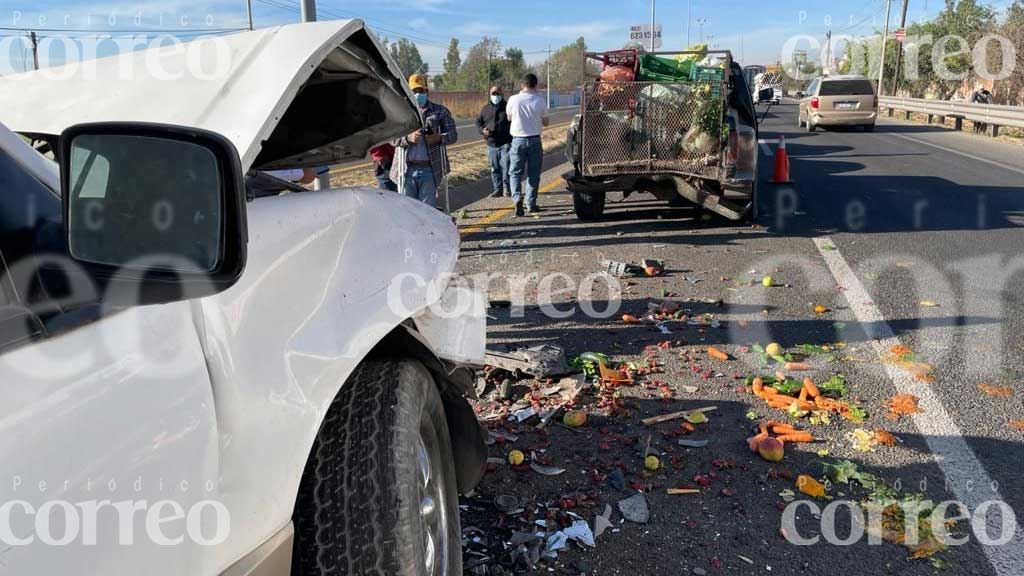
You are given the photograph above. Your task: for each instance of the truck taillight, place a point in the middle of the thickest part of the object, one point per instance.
(814, 102)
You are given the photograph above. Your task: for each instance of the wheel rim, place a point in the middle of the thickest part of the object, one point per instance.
(433, 510)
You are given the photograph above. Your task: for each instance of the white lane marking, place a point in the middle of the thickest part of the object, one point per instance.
(765, 149)
(964, 472)
(964, 154)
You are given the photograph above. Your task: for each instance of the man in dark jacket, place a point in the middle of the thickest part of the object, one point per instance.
(493, 124)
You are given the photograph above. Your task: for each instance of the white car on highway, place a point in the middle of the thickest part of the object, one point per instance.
(198, 376)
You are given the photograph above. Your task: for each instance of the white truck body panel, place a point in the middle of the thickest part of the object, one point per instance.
(219, 398)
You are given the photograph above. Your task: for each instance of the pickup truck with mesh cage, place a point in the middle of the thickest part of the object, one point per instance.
(680, 140)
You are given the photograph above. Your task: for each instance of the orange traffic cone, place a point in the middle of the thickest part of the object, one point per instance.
(781, 163)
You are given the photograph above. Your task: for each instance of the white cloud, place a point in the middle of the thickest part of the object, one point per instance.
(477, 28)
(588, 30)
(419, 24)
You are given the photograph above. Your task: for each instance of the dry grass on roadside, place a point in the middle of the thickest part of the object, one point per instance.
(468, 164)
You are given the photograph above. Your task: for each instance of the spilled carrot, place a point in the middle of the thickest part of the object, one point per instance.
(811, 388)
(717, 354)
(797, 366)
(796, 438)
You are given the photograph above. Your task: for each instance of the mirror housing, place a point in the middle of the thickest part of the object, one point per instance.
(154, 213)
(765, 94)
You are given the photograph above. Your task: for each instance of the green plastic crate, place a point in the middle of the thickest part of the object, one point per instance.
(707, 74)
(657, 69)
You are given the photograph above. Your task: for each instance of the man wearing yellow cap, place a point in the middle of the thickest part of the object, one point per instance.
(421, 159)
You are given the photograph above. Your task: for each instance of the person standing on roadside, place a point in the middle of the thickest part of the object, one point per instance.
(420, 165)
(528, 115)
(383, 156)
(494, 126)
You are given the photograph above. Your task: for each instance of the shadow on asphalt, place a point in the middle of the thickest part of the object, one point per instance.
(602, 333)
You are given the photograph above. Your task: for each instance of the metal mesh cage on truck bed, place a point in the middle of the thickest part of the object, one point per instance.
(653, 127)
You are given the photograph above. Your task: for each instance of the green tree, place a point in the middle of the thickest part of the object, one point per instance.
(450, 79)
(483, 65)
(407, 56)
(1011, 90)
(566, 66)
(513, 69)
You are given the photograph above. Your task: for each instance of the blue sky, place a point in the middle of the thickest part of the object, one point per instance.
(754, 30)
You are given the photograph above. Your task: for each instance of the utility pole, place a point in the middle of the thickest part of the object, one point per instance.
(899, 53)
(323, 181)
(827, 65)
(308, 10)
(652, 25)
(700, 29)
(35, 49)
(688, 26)
(548, 81)
(885, 36)
(249, 7)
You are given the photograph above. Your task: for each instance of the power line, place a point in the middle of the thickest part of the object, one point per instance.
(141, 30)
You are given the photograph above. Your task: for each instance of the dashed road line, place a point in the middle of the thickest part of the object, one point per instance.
(964, 473)
(500, 213)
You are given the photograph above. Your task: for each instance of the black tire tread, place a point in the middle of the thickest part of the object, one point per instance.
(348, 512)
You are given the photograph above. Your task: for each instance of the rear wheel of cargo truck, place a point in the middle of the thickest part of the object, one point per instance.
(588, 205)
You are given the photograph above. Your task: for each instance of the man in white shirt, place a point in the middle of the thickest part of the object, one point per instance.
(528, 113)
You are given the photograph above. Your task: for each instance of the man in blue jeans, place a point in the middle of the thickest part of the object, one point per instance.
(528, 115)
(492, 122)
(421, 164)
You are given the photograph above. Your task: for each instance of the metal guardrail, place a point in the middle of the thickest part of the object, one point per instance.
(991, 114)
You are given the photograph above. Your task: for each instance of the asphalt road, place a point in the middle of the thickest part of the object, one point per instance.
(907, 236)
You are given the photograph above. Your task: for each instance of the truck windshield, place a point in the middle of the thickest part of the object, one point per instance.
(846, 88)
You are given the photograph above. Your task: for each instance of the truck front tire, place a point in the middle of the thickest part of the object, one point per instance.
(379, 495)
(588, 205)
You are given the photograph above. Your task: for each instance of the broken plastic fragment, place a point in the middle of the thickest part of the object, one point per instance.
(635, 508)
(546, 470)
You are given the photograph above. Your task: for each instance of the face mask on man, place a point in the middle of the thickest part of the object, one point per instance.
(421, 99)
(495, 99)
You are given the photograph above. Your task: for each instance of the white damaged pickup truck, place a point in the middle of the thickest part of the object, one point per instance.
(204, 376)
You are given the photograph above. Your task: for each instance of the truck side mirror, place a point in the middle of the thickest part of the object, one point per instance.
(155, 213)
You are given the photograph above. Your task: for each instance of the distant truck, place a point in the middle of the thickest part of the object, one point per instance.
(689, 139)
(768, 81)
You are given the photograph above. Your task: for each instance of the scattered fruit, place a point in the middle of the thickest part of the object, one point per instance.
(771, 449)
(819, 309)
(574, 418)
(516, 457)
(652, 463)
(767, 282)
(773, 349)
(717, 354)
(810, 486)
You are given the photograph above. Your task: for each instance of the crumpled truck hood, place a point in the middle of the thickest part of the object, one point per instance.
(289, 96)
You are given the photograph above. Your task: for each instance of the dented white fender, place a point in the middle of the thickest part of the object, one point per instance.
(317, 295)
